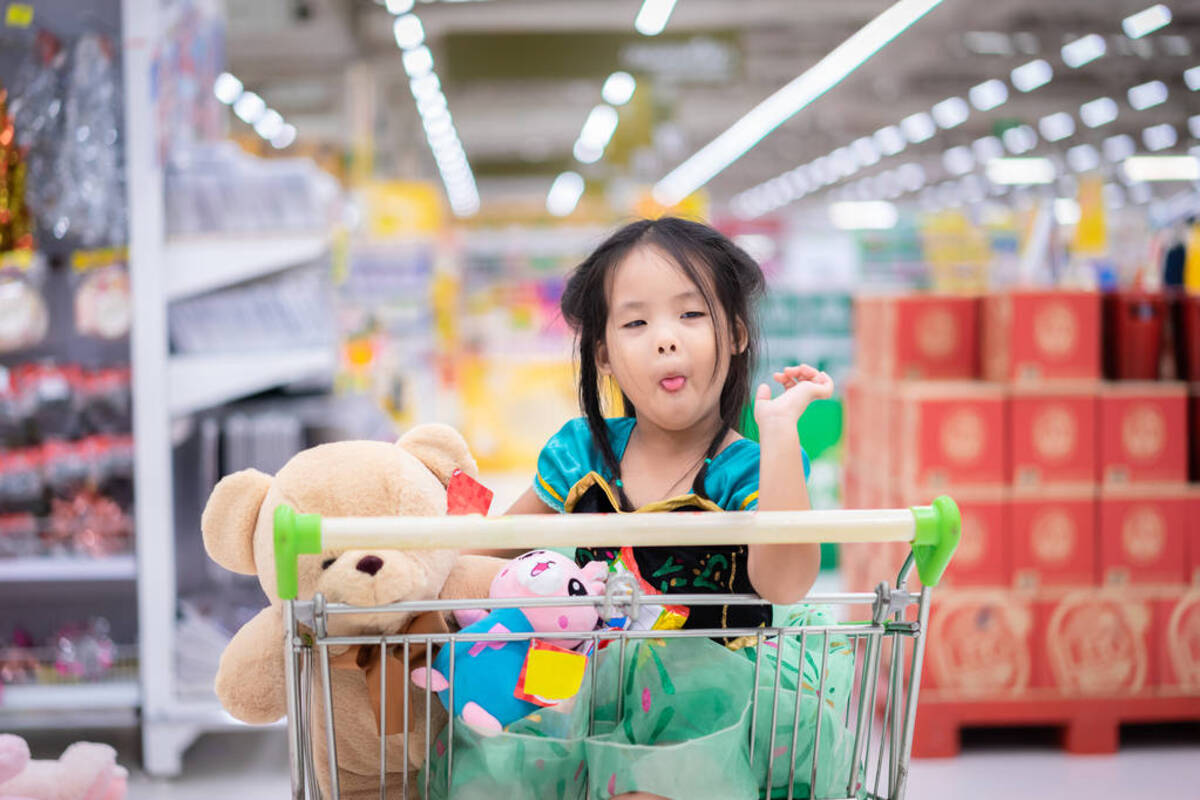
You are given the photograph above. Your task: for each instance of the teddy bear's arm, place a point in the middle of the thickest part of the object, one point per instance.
(250, 680)
(471, 577)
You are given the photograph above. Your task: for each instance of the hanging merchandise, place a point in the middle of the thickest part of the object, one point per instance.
(24, 318)
(103, 298)
(37, 111)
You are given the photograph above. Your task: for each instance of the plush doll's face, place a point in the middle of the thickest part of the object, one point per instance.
(543, 573)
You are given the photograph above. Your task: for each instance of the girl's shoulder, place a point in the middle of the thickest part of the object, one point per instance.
(572, 453)
(732, 478)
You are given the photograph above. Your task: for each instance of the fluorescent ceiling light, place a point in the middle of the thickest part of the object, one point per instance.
(951, 112)
(1138, 25)
(1100, 111)
(1019, 139)
(564, 194)
(873, 215)
(418, 61)
(227, 88)
(866, 151)
(918, 127)
(1192, 78)
(249, 108)
(1162, 168)
(1114, 196)
(844, 162)
(912, 176)
(1194, 126)
(1056, 126)
(285, 137)
(1028, 77)
(1118, 148)
(1066, 211)
(787, 101)
(269, 124)
(587, 153)
(599, 126)
(988, 94)
(1020, 171)
(988, 43)
(1147, 95)
(1083, 158)
(425, 86)
(652, 19)
(799, 180)
(890, 140)
(1160, 137)
(432, 105)
(1083, 50)
(408, 32)
(986, 148)
(398, 7)
(958, 160)
(618, 88)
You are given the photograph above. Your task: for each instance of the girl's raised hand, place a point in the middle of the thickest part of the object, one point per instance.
(801, 385)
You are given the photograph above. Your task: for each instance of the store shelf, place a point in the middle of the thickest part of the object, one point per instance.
(67, 568)
(202, 264)
(199, 382)
(123, 694)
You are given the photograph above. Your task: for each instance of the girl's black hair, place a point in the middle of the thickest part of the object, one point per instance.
(725, 275)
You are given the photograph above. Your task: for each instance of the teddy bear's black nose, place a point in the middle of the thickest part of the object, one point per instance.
(369, 564)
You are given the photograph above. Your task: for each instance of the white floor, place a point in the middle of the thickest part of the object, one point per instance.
(1167, 765)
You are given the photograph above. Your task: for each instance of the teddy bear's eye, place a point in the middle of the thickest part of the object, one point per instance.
(327, 563)
(575, 588)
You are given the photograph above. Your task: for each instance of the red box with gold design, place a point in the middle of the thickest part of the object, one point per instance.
(1143, 432)
(979, 644)
(868, 341)
(950, 434)
(1053, 430)
(1095, 641)
(929, 337)
(1038, 335)
(1177, 622)
(1193, 543)
(1055, 540)
(1143, 534)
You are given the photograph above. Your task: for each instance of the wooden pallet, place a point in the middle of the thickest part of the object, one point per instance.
(1087, 725)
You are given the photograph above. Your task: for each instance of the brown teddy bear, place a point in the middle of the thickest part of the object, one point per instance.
(354, 478)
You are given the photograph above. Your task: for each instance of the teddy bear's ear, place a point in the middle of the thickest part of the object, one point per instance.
(441, 448)
(230, 517)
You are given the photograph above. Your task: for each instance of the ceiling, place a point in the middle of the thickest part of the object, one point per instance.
(521, 75)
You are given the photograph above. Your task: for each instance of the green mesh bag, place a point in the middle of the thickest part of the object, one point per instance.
(538, 757)
(685, 724)
(803, 668)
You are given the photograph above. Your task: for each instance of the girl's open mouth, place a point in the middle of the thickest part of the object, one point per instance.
(673, 384)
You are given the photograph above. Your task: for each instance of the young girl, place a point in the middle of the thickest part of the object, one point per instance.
(664, 309)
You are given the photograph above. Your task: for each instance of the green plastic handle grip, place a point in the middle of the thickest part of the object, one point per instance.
(939, 528)
(295, 534)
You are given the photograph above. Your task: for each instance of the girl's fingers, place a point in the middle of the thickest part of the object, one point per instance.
(763, 392)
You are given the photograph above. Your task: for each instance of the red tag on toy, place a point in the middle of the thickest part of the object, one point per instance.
(465, 495)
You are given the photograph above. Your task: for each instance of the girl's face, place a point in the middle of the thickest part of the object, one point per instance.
(659, 343)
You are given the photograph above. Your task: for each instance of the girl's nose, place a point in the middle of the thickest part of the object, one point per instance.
(663, 349)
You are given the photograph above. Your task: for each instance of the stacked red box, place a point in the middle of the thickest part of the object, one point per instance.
(1177, 620)
(1053, 430)
(950, 433)
(1143, 432)
(1095, 641)
(918, 336)
(1193, 546)
(1054, 537)
(1038, 335)
(1144, 533)
(979, 643)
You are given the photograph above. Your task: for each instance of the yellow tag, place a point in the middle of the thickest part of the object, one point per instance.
(20, 260)
(554, 674)
(18, 15)
(83, 260)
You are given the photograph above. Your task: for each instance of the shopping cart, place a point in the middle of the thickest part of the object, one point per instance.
(892, 639)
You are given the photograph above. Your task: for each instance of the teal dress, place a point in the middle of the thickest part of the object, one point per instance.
(571, 478)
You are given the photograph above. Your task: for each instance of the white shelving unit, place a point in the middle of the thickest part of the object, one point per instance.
(67, 568)
(203, 264)
(166, 387)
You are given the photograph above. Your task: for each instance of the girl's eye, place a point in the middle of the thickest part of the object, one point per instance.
(692, 314)
(327, 563)
(637, 323)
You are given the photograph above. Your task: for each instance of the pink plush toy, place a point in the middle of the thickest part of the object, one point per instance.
(85, 771)
(488, 675)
